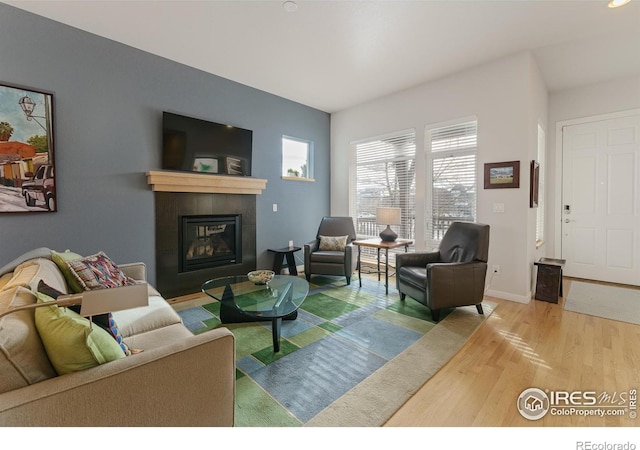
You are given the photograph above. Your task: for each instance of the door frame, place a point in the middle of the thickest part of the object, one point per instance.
(560, 158)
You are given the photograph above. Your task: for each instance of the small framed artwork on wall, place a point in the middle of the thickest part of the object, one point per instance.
(27, 175)
(534, 184)
(502, 175)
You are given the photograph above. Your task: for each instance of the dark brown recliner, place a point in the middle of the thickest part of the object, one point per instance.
(452, 276)
(327, 262)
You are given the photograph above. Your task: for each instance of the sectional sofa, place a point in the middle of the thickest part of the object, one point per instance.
(172, 378)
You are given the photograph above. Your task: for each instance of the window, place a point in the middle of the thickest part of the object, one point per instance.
(540, 209)
(384, 175)
(451, 175)
(296, 158)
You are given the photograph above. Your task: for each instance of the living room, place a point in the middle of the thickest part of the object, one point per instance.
(109, 99)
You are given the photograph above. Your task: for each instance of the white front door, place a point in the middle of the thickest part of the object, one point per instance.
(601, 200)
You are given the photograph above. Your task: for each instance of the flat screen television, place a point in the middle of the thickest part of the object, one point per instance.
(195, 145)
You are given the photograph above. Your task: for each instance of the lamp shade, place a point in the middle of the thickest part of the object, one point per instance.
(388, 216)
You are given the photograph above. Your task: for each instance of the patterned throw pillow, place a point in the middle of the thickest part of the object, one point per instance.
(98, 271)
(333, 243)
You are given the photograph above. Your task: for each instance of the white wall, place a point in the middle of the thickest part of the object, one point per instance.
(538, 115)
(506, 96)
(593, 100)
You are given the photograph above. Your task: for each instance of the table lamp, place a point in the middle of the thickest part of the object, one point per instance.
(388, 216)
(97, 301)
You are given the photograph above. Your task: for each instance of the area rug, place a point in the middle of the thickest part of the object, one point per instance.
(351, 358)
(609, 302)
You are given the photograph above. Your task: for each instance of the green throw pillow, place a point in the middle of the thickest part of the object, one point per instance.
(104, 321)
(61, 258)
(71, 342)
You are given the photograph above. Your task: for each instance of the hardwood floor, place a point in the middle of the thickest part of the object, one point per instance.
(538, 344)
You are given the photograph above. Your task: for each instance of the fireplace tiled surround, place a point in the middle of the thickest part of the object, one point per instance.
(169, 209)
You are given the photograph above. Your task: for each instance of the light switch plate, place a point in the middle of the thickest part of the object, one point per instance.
(498, 207)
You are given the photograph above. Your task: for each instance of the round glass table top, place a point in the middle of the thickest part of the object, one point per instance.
(280, 297)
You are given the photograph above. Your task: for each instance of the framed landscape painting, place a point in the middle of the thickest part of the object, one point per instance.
(502, 175)
(27, 165)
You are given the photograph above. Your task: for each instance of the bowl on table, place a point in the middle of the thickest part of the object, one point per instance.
(261, 276)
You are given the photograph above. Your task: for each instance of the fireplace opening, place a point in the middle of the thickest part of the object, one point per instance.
(209, 241)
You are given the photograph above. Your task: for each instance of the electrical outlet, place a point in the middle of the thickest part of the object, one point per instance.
(290, 244)
(496, 269)
(275, 207)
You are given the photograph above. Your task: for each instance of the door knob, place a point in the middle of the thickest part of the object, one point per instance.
(568, 220)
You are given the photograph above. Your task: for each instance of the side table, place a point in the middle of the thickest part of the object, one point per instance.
(380, 244)
(279, 256)
(549, 279)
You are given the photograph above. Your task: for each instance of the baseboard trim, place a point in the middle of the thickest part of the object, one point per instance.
(509, 296)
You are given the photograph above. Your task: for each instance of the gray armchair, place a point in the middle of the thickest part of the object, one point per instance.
(332, 262)
(452, 276)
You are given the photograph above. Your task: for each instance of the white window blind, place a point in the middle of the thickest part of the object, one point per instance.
(540, 210)
(451, 156)
(384, 176)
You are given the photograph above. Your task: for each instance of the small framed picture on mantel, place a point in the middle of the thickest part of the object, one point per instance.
(502, 175)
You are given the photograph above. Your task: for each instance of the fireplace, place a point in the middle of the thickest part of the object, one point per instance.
(177, 275)
(207, 241)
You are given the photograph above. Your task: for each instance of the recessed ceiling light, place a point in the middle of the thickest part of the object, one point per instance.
(290, 6)
(617, 3)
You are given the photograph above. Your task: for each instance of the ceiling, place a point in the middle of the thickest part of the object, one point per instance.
(332, 55)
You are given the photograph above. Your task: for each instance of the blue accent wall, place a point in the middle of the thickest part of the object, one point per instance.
(108, 104)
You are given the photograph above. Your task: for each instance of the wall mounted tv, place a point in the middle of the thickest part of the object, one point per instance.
(195, 145)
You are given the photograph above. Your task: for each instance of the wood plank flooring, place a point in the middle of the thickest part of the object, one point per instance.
(528, 345)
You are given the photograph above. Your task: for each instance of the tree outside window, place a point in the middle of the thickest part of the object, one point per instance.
(296, 158)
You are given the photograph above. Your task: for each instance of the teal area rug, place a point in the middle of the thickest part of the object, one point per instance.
(351, 358)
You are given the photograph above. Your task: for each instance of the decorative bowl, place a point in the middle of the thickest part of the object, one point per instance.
(261, 276)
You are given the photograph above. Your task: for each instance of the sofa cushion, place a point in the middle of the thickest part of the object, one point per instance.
(61, 258)
(71, 342)
(41, 252)
(159, 337)
(23, 359)
(4, 279)
(98, 271)
(156, 315)
(333, 243)
(29, 274)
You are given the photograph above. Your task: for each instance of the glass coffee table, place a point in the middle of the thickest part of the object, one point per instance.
(242, 300)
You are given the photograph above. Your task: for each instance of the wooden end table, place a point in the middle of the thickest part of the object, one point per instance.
(278, 259)
(549, 279)
(379, 244)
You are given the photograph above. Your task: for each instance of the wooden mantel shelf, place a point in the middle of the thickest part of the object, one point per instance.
(174, 181)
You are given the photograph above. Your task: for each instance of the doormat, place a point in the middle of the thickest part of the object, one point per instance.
(601, 300)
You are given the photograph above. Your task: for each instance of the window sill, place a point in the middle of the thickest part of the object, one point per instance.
(311, 180)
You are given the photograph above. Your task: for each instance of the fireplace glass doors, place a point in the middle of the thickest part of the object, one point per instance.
(210, 241)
